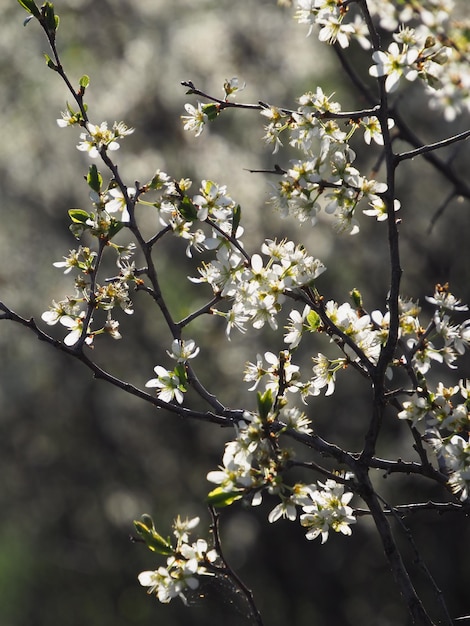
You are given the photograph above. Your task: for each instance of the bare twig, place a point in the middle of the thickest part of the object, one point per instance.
(431, 147)
(229, 572)
(421, 563)
(400, 573)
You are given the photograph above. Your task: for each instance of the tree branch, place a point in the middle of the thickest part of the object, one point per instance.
(225, 417)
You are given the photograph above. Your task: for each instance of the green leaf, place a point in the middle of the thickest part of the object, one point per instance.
(84, 81)
(154, 541)
(147, 521)
(79, 216)
(211, 110)
(77, 230)
(187, 209)
(157, 181)
(51, 20)
(50, 62)
(236, 217)
(114, 228)
(265, 403)
(180, 371)
(30, 6)
(220, 498)
(94, 178)
(313, 321)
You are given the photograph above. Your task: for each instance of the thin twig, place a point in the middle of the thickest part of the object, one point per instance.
(431, 147)
(420, 561)
(229, 572)
(440, 210)
(206, 308)
(225, 417)
(400, 573)
(409, 509)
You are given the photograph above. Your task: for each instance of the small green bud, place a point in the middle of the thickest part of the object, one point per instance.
(265, 403)
(50, 62)
(430, 42)
(313, 321)
(356, 297)
(84, 81)
(51, 20)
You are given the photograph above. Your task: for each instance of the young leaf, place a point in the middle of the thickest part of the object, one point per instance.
(50, 62)
(265, 403)
(30, 6)
(50, 18)
(180, 371)
(187, 209)
(220, 498)
(84, 81)
(114, 228)
(147, 521)
(236, 217)
(78, 216)
(356, 297)
(211, 110)
(94, 178)
(154, 541)
(157, 181)
(313, 321)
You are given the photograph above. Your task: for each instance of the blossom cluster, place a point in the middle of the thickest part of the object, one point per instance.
(425, 39)
(185, 563)
(256, 287)
(446, 422)
(424, 47)
(97, 137)
(447, 425)
(279, 371)
(172, 384)
(110, 212)
(441, 343)
(251, 288)
(74, 311)
(255, 462)
(427, 28)
(447, 428)
(332, 19)
(326, 179)
(328, 510)
(185, 215)
(368, 331)
(411, 57)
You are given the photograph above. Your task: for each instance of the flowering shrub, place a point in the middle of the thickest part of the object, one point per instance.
(395, 348)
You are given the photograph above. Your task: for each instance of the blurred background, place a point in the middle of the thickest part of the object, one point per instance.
(80, 460)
